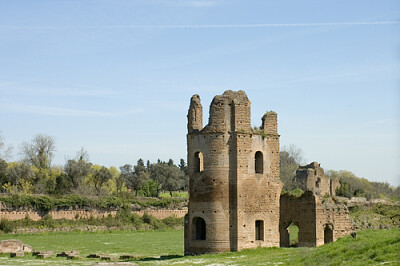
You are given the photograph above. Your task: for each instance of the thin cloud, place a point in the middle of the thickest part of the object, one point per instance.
(39, 89)
(202, 26)
(201, 3)
(350, 73)
(191, 3)
(56, 111)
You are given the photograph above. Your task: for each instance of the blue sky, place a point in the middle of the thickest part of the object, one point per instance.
(116, 76)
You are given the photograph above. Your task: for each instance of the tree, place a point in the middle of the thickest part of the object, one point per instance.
(39, 151)
(3, 172)
(158, 173)
(119, 182)
(183, 167)
(100, 177)
(19, 170)
(290, 159)
(76, 172)
(126, 173)
(5, 151)
(140, 176)
(136, 176)
(174, 179)
(167, 177)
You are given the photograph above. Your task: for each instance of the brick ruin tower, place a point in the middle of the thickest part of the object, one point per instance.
(234, 185)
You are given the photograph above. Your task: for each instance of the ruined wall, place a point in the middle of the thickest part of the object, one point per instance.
(336, 216)
(311, 177)
(85, 214)
(319, 220)
(234, 184)
(301, 212)
(227, 193)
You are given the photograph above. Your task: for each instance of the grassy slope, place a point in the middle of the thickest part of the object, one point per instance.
(370, 247)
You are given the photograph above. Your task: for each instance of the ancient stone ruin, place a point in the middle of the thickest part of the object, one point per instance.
(14, 246)
(312, 178)
(235, 197)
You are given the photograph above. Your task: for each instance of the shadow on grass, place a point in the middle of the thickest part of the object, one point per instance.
(161, 258)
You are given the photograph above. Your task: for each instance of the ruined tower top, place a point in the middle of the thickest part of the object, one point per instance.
(228, 112)
(270, 122)
(195, 114)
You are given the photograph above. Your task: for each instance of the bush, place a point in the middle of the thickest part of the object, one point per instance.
(173, 221)
(6, 226)
(151, 220)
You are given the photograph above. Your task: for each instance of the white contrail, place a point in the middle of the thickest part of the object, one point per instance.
(205, 26)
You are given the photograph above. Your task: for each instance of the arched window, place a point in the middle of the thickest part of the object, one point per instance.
(317, 182)
(260, 230)
(198, 162)
(259, 162)
(328, 234)
(199, 226)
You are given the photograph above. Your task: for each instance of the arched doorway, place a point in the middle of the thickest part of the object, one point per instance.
(199, 228)
(289, 235)
(293, 231)
(328, 233)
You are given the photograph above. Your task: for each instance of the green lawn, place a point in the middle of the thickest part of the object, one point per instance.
(176, 194)
(166, 247)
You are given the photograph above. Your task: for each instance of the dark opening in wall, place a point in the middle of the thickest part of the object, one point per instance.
(199, 226)
(328, 233)
(259, 162)
(198, 162)
(260, 230)
(317, 182)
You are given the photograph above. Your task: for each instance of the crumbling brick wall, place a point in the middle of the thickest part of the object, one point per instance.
(320, 220)
(235, 197)
(311, 177)
(236, 204)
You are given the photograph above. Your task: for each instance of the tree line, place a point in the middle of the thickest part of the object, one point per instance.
(34, 173)
(350, 185)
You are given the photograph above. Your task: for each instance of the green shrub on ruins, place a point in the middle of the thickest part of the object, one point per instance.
(296, 193)
(47, 203)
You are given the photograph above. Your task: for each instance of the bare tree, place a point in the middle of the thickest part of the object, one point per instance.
(5, 151)
(290, 159)
(39, 151)
(82, 155)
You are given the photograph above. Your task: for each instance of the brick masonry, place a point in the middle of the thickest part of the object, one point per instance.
(234, 184)
(84, 214)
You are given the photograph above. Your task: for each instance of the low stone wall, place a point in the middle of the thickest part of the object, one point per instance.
(74, 214)
(162, 214)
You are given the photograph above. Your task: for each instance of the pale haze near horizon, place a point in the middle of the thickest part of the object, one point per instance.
(116, 77)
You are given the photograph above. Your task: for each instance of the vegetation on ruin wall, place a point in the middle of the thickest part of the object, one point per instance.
(351, 185)
(124, 220)
(47, 203)
(371, 247)
(375, 216)
(295, 193)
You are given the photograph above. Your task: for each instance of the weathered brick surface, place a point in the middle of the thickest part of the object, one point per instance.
(85, 214)
(312, 178)
(228, 194)
(312, 214)
(236, 192)
(14, 246)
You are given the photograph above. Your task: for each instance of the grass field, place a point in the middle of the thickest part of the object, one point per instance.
(183, 194)
(166, 247)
